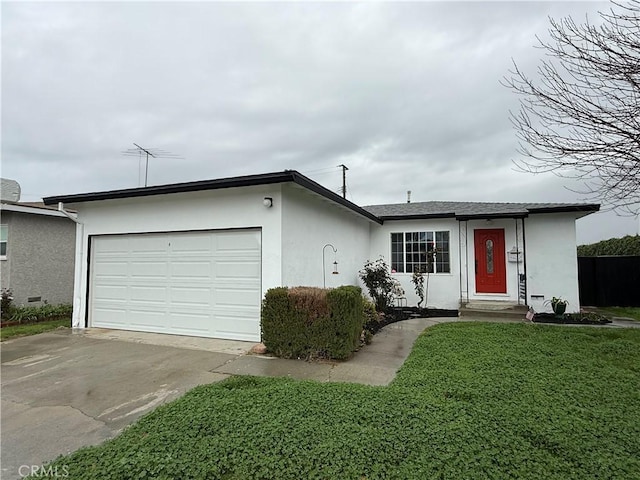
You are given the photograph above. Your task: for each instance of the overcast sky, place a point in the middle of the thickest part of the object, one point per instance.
(407, 95)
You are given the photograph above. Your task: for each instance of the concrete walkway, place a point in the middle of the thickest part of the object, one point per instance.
(374, 364)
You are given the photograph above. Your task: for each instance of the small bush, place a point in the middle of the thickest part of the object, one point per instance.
(371, 318)
(39, 314)
(307, 322)
(376, 277)
(418, 284)
(6, 303)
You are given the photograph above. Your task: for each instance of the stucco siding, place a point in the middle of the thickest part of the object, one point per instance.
(207, 210)
(552, 262)
(310, 222)
(40, 258)
(444, 288)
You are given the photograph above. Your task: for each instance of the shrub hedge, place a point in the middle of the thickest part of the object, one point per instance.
(41, 313)
(309, 322)
(627, 245)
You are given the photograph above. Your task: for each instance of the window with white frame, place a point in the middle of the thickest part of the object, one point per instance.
(410, 252)
(4, 233)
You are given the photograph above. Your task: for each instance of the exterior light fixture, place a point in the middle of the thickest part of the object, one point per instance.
(324, 268)
(268, 202)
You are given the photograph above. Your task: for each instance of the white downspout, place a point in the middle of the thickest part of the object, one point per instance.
(77, 294)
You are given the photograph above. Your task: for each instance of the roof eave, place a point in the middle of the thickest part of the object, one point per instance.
(491, 216)
(247, 181)
(216, 184)
(587, 208)
(422, 216)
(47, 212)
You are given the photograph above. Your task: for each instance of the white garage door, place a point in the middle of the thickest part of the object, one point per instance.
(205, 284)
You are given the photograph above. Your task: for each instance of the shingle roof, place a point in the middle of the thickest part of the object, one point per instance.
(463, 210)
(376, 213)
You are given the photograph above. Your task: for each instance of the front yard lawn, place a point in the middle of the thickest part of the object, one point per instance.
(473, 401)
(627, 312)
(32, 328)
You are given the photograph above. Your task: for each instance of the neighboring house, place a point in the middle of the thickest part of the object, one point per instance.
(37, 253)
(196, 258)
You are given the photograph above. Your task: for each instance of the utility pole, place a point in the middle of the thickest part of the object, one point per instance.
(344, 180)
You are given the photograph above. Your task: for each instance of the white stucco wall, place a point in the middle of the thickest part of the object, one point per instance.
(207, 210)
(300, 223)
(444, 288)
(550, 255)
(552, 263)
(309, 222)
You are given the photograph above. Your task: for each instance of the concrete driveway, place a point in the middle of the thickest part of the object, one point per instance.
(63, 390)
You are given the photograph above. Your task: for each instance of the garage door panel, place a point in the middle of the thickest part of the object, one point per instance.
(191, 296)
(148, 294)
(147, 318)
(148, 270)
(112, 268)
(111, 317)
(147, 245)
(191, 270)
(190, 322)
(111, 293)
(228, 242)
(243, 328)
(111, 246)
(233, 270)
(236, 297)
(192, 283)
(190, 244)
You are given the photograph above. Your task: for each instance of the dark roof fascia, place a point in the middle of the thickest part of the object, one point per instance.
(231, 182)
(587, 207)
(246, 181)
(489, 216)
(423, 216)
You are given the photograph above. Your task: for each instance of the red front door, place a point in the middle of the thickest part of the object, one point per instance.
(491, 276)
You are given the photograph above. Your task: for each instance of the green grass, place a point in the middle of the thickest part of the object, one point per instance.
(32, 328)
(473, 401)
(629, 312)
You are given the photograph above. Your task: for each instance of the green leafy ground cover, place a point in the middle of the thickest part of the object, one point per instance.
(628, 312)
(32, 328)
(474, 401)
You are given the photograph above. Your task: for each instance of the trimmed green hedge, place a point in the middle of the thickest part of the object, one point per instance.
(627, 245)
(309, 322)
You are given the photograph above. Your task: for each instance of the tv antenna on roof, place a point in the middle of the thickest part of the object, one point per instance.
(147, 152)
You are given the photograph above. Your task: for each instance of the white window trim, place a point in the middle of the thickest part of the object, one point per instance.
(404, 252)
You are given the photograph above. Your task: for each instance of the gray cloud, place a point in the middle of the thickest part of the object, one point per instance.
(407, 95)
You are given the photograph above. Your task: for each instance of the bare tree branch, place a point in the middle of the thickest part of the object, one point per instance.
(581, 117)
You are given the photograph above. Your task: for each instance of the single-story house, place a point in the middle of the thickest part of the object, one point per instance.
(196, 258)
(37, 253)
